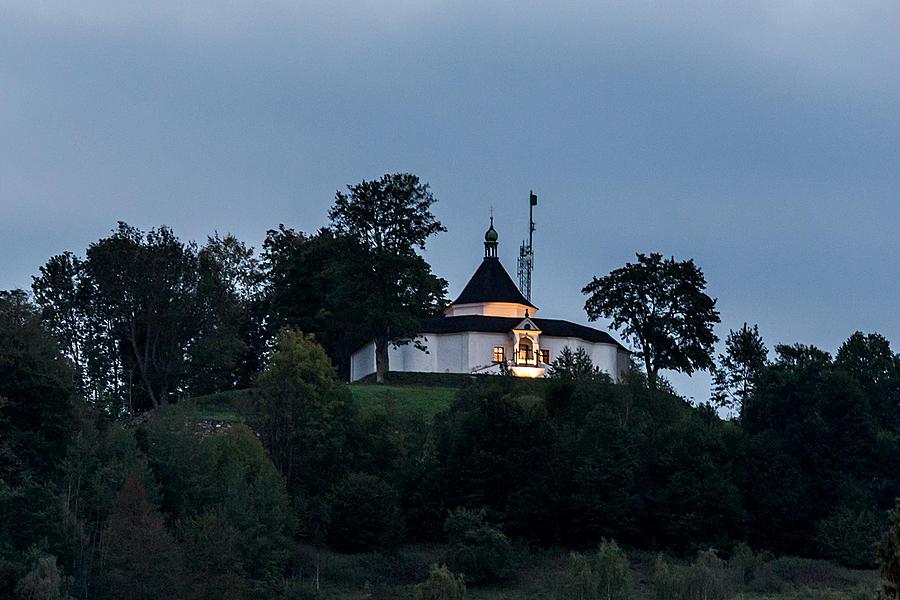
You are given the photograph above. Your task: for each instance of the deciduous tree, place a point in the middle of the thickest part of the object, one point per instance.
(384, 280)
(661, 305)
(739, 368)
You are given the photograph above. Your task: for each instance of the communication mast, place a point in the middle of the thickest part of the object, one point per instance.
(526, 252)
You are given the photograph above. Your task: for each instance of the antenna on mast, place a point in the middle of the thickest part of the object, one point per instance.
(526, 251)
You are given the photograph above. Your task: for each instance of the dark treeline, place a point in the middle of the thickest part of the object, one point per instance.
(108, 489)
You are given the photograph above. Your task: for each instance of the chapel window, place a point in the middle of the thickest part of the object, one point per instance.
(525, 352)
(499, 354)
(545, 357)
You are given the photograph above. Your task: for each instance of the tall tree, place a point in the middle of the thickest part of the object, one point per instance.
(870, 360)
(223, 354)
(141, 558)
(660, 304)
(740, 368)
(384, 282)
(35, 388)
(147, 283)
(303, 274)
(303, 413)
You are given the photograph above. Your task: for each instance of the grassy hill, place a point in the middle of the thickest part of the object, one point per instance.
(420, 397)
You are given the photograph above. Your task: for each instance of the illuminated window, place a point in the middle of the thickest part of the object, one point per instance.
(525, 352)
(499, 354)
(545, 357)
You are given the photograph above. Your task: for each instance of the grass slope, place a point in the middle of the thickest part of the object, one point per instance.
(411, 401)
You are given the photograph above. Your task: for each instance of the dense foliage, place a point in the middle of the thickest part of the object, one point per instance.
(112, 485)
(661, 305)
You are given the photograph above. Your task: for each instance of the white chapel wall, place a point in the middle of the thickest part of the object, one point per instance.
(604, 356)
(362, 362)
(481, 349)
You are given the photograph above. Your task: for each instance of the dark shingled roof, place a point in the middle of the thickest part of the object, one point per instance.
(551, 327)
(491, 283)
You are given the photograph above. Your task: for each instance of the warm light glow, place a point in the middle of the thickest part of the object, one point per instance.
(490, 309)
(530, 372)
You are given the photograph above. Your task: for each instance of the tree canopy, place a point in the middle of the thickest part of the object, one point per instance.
(661, 305)
(385, 281)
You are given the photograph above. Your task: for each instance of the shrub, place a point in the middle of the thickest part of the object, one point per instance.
(364, 514)
(477, 549)
(441, 585)
(212, 558)
(850, 536)
(704, 579)
(889, 557)
(303, 413)
(254, 500)
(45, 580)
(142, 561)
(605, 575)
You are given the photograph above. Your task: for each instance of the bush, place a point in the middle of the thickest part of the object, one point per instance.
(45, 580)
(889, 557)
(364, 514)
(477, 549)
(254, 500)
(850, 536)
(604, 575)
(441, 585)
(212, 558)
(704, 579)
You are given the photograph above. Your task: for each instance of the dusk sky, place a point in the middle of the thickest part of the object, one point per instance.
(761, 139)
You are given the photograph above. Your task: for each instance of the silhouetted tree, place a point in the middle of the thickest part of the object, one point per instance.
(661, 305)
(383, 280)
(573, 364)
(739, 368)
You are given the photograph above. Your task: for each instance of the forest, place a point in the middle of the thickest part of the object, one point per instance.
(118, 479)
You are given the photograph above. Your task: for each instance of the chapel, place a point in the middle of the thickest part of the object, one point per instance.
(492, 327)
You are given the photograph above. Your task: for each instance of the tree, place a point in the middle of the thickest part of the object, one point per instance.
(384, 281)
(303, 413)
(364, 514)
(223, 354)
(476, 548)
(35, 388)
(212, 557)
(142, 560)
(740, 368)
(603, 576)
(146, 285)
(571, 365)
(870, 360)
(441, 585)
(45, 579)
(254, 500)
(62, 296)
(661, 305)
(303, 290)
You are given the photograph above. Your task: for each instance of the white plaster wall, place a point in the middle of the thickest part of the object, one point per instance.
(362, 362)
(474, 351)
(410, 358)
(604, 356)
(453, 353)
(481, 349)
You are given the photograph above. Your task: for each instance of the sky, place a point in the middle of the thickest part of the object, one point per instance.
(759, 138)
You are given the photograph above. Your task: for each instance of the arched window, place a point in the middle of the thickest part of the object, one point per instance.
(526, 351)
